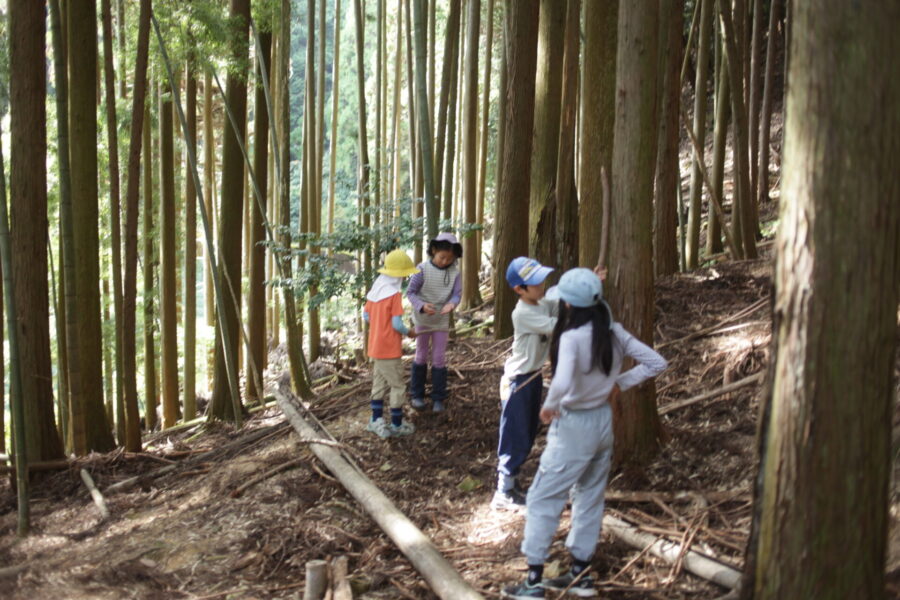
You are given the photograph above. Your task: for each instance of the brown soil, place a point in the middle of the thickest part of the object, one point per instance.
(183, 535)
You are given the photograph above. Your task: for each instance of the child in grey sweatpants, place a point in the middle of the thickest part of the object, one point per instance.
(586, 354)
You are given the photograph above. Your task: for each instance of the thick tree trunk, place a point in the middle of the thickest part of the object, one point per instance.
(257, 304)
(470, 295)
(129, 289)
(668, 173)
(28, 226)
(692, 250)
(821, 518)
(598, 112)
(566, 194)
(547, 106)
(636, 423)
(226, 402)
(168, 318)
(511, 231)
(151, 398)
(190, 258)
(114, 210)
(82, 58)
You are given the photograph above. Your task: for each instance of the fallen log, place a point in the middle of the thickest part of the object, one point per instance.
(444, 580)
(679, 404)
(671, 552)
(47, 465)
(645, 496)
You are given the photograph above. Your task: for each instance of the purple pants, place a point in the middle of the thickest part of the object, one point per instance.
(438, 341)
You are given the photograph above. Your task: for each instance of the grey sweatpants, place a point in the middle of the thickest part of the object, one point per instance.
(579, 448)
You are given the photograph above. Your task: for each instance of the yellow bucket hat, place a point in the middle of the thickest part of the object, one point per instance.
(398, 264)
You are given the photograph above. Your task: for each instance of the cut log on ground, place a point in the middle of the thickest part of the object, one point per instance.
(679, 404)
(340, 584)
(316, 580)
(444, 580)
(671, 552)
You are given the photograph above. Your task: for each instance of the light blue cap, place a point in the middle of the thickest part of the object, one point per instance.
(579, 287)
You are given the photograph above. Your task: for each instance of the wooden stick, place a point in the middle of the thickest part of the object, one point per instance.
(95, 494)
(604, 227)
(340, 584)
(712, 328)
(316, 580)
(694, 562)
(444, 580)
(643, 496)
(673, 406)
(278, 469)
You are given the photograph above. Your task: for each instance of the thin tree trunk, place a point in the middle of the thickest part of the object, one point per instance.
(636, 422)
(717, 172)
(598, 101)
(470, 295)
(36, 438)
(448, 82)
(566, 193)
(821, 516)
(511, 230)
(335, 96)
(668, 174)
(120, 30)
(114, 211)
(755, 91)
(766, 118)
(362, 186)
(450, 146)
(82, 59)
(741, 159)
(190, 257)
(257, 304)
(151, 399)
(168, 318)
(547, 107)
(483, 135)
(226, 401)
(108, 367)
(315, 333)
(209, 169)
(424, 128)
(129, 290)
(694, 216)
(501, 108)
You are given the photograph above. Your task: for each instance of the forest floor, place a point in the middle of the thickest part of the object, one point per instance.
(193, 532)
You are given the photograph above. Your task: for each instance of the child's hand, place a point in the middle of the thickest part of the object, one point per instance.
(411, 334)
(548, 414)
(428, 308)
(447, 308)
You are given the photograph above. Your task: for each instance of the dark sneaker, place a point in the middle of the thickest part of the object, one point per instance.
(510, 500)
(523, 591)
(417, 403)
(438, 406)
(583, 588)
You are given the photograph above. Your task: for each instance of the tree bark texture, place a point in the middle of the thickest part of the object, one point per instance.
(28, 225)
(511, 230)
(547, 106)
(82, 57)
(636, 423)
(190, 257)
(822, 510)
(225, 400)
(168, 319)
(566, 194)
(668, 173)
(448, 82)
(766, 117)
(424, 126)
(470, 295)
(151, 397)
(598, 112)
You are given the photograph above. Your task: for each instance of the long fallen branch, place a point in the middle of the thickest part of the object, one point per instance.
(646, 496)
(679, 404)
(671, 552)
(746, 312)
(96, 496)
(444, 580)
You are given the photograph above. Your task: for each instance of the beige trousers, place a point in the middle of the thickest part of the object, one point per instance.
(387, 376)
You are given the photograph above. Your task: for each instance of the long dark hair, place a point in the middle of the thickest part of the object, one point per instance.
(572, 317)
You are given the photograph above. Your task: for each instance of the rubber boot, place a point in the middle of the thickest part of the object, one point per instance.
(417, 385)
(438, 388)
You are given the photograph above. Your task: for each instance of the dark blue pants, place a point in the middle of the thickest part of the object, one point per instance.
(518, 427)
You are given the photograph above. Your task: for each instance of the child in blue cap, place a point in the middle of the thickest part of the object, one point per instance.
(586, 354)
(534, 318)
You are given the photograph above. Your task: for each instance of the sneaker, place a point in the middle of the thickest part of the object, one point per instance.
(438, 406)
(510, 500)
(583, 588)
(404, 428)
(417, 403)
(379, 428)
(523, 591)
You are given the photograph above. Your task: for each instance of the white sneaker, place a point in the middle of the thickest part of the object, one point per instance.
(404, 428)
(379, 428)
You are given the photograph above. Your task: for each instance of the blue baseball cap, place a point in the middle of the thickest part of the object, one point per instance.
(579, 287)
(526, 271)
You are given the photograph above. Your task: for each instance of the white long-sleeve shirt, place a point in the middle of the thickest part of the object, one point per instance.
(532, 326)
(578, 385)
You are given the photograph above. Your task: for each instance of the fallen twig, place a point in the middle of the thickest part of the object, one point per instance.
(95, 494)
(236, 493)
(679, 404)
